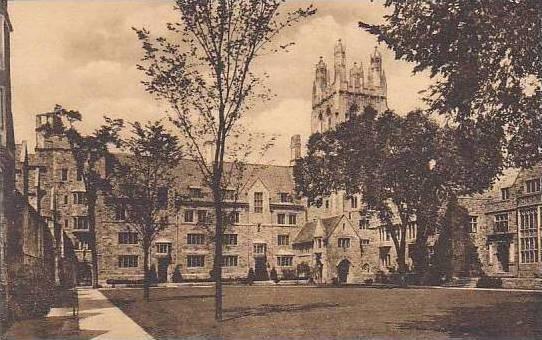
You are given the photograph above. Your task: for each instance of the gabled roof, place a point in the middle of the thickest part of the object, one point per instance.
(307, 232)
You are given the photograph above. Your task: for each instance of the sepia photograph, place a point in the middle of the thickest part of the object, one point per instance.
(270, 169)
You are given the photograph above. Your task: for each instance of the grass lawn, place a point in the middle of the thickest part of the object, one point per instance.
(334, 312)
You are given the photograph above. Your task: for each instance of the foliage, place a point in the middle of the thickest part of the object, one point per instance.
(177, 276)
(90, 153)
(485, 57)
(32, 291)
(251, 276)
(273, 275)
(303, 270)
(204, 73)
(405, 168)
(489, 282)
(142, 181)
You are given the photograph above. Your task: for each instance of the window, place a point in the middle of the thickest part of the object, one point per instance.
(501, 223)
(229, 261)
(258, 202)
(385, 257)
(285, 261)
(354, 202)
(363, 223)
(66, 199)
(532, 185)
(195, 239)
(163, 248)
(235, 217)
(528, 235)
(364, 242)
(195, 261)
(505, 193)
(412, 230)
(203, 217)
(283, 240)
(285, 197)
(189, 216)
(2, 43)
(80, 223)
(79, 198)
(344, 243)
(196, 193)
(260, 248)
(79, 175)
(292, 219)
(127, 237)
(120, 212)
(64, 175)
(128, 261)
(327, 204)
(229, 195)
(66, 224)
(230, 239)
(318, 242)
(473, 224)
(81, 244)
(281, 218)
(2, 108)
(162, 198)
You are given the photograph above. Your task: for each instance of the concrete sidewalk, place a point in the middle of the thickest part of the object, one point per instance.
(99, 317)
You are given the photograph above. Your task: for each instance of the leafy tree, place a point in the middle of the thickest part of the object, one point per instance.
(205, 74)
(406, 169)
(141, 182)
(90, 152)
(485, 57)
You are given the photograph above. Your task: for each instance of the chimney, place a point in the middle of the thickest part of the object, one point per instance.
(295, 149)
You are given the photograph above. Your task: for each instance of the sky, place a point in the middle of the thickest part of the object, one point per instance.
(82, 54)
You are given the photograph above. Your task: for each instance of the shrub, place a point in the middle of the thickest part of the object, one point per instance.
(153, 276)
(273, 275)
(489, 282)
(31, 292)
(177, 276)
(304, 270)
(289, 274)
(368, 281)
(251, 276)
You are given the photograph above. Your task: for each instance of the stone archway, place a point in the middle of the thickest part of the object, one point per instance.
(343, 268)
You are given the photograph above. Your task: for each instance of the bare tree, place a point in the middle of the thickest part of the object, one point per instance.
(141, 183)
(207, 78)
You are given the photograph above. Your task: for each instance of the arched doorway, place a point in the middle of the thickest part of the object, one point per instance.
(342, 269)
(84, 274)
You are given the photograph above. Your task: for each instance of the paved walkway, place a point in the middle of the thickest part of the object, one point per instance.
(100, 319)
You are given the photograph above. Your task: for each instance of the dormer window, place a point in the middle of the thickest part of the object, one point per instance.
(505, 193)
(229, 195)
(285, 197)
(195, 192)
(258, 202)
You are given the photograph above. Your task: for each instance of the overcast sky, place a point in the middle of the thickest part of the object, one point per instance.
(82, 55)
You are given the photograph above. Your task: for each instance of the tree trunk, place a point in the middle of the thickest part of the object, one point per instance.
(93, 244)
(146, 276)
(217, 264)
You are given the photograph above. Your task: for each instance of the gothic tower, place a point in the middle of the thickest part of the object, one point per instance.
(349, 93)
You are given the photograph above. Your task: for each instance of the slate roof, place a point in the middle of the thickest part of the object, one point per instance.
(306, 234)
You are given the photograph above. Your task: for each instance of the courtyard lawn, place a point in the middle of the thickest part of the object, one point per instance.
(334, 312)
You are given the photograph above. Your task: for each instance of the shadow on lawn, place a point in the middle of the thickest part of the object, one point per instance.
(503, 321)
(262, 310)
(122, 302)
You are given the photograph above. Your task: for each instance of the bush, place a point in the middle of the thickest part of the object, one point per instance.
(489, 282)
(32, 292)
(289, 274)
(304, 270)
(251, 276)
(177, 277)
(273, 275)
(368, 281)
(153, 276)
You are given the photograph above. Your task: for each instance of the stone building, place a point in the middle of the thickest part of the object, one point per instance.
(335, 99)
(503, 227)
